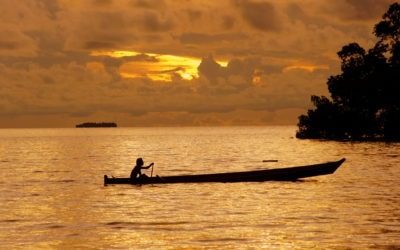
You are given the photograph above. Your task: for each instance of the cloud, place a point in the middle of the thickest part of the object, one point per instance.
(201, 38)
(96, 45)
(117, 27)
(56, 62)
(16, 44)
(260, 15)
(194, 15)
(19, 26)
(89, 88)
(102, 2)
(148, 4)
(358, 10)
(211, 69)
(142, 58)
(152, 22)
(228, 22)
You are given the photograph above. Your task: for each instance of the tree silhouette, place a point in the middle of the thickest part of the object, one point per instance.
(365, 97)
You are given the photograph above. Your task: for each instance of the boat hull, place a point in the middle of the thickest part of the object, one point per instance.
(279, 174)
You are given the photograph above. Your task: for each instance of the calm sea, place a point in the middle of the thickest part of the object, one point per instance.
(52, 193)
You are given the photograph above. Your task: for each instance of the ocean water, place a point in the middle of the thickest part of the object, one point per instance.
(52, 193)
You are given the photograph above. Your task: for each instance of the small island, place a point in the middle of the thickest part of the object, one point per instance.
(97, 125)
(364, 103)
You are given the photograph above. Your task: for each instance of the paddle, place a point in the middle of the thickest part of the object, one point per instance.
(270, 161)
(151, 175)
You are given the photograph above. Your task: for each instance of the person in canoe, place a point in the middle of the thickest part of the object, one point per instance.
(136, 173)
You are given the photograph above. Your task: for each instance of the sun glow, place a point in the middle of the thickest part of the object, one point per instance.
(116, 54)
(157, 67)
(308, 68)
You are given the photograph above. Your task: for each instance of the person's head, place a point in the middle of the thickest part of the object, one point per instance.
(139, 161)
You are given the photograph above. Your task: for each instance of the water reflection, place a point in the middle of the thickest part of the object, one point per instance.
(52, 193)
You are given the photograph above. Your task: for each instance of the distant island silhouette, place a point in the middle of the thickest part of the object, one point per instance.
(365, 97)
(97, 125)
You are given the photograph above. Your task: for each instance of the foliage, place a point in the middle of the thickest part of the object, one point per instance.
(365, 97)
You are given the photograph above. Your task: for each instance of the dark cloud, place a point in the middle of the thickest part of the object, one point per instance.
(17, 44)
(211, 69)
(148, 4)
(110, 21)
(8, 45)
(48, 79)
(366, 9)
(228, 22)
(260, 15)
(50, 6)
(199, 38)
(295, 12)
(152, 22)
(141, 58)
(357, 10)
(244, 68)
(102, 2)
(95, 45)
(328, 11)
(236, 77)
(154, 38)
(194, 15)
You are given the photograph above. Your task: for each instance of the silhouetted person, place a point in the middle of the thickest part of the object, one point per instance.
(136, 171)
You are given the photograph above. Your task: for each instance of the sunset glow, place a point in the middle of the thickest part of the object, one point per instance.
(192, 105)
(240, 62)
(157, 67)
(309, 68)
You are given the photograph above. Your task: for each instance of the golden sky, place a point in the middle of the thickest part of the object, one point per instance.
(172, 62)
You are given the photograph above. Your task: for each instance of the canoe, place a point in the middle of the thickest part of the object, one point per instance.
(278, 174)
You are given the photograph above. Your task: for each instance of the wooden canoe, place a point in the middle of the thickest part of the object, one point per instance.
(278, 174)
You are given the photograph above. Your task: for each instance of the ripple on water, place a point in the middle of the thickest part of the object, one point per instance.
(65, 181)
(63, 193)
(151, 226)
(128, 223)
(10, 221)
(222, 240)
(56, 226)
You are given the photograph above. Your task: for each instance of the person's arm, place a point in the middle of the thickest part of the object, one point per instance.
(149, 166)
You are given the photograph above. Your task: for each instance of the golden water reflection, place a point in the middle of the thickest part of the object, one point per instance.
(52, 193)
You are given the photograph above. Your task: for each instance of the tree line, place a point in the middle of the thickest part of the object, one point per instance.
(364, 101)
